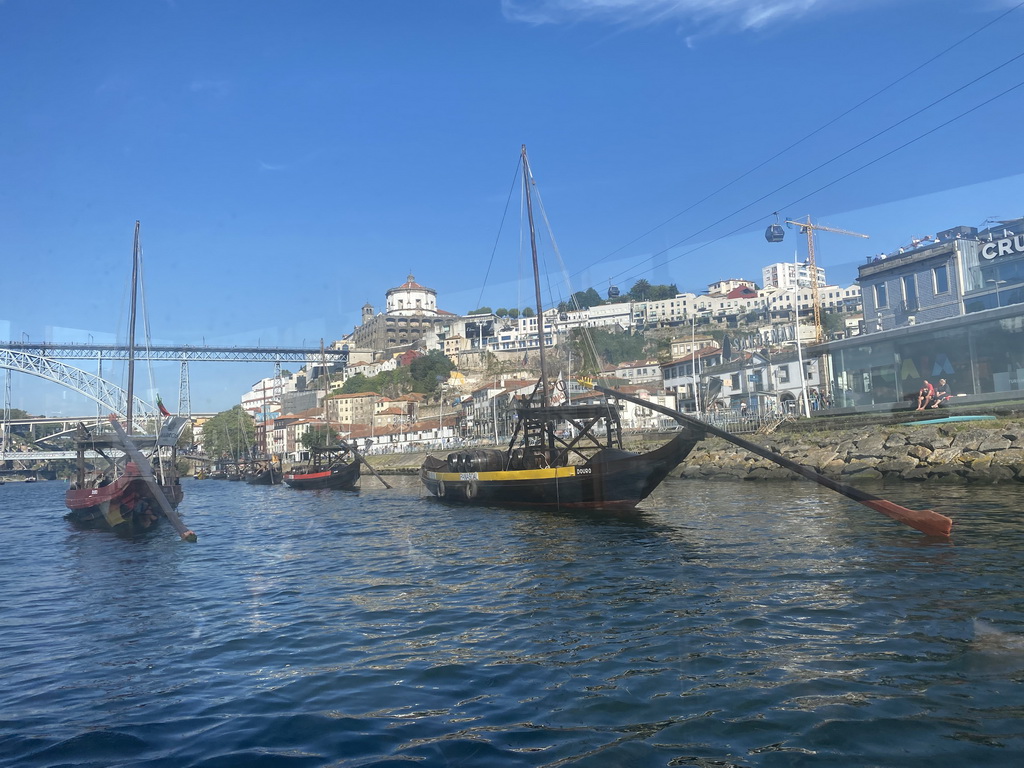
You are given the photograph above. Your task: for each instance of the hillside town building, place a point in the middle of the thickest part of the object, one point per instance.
(947, 306)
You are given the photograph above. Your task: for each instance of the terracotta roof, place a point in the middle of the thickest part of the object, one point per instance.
(410, 284)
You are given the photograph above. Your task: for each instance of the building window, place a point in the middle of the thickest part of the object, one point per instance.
(881, 300)
(783, 374)
(910, 292)
(941, 277)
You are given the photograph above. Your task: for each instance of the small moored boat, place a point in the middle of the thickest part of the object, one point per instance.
(134, 490)
(267, 474)
(542, 469)
(334, 468)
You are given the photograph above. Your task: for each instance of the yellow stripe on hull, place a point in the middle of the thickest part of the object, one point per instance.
(522, 474)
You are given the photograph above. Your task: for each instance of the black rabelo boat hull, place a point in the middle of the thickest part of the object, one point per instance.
(270, 476)
(339, 477)
(125, 506)
(612, 479)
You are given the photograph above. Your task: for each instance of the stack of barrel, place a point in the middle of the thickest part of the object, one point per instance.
(484, 460)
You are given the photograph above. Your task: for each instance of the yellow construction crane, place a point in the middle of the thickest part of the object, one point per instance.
(807, 228)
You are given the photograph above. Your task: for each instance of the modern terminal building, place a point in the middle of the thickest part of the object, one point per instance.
(951, 307)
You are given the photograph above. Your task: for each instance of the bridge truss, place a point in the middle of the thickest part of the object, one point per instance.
(182, 353)
(41, 359)
(109, 396)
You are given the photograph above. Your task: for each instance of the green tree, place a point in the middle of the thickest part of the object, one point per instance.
(513, 313)
(529, 312)
(480, 311)
(644, 291)
(832, 322)
(316, 437)
(358, 383)
(429, 370)
(641, 291)
(389, 383)
(661, 292)
(229, 433)
(501, 312)
(611, 348)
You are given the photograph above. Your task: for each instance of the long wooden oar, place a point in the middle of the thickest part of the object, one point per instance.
(365, 463)
(925, 520)
(146, 475)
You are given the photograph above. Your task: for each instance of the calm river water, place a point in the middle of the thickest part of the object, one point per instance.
(727, 624)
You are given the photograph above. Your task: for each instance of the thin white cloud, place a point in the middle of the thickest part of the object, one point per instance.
(115, 84)
(216, 87)
(693, 14)
(294, 164)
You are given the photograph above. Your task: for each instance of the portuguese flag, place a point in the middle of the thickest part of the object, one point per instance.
(160, 405)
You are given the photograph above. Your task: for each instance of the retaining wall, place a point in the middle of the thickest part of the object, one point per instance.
(961, 452)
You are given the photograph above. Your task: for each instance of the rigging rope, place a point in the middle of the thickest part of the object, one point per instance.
(816, 131)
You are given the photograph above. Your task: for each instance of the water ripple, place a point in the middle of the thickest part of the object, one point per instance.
(722, 625)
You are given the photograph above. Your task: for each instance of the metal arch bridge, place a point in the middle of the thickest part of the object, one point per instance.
(181, 353)
(110, 396)
(41, 359)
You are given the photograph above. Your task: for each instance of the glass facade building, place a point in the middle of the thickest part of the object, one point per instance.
(952, 308)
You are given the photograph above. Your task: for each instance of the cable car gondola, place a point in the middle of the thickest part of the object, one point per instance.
(775, 233)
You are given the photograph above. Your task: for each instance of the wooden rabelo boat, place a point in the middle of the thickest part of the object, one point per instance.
(333, 468)
(133, 490)
(121, 496)
(541, 467)
(264, 474)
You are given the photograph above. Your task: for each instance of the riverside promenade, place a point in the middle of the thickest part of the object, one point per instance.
(853, 449)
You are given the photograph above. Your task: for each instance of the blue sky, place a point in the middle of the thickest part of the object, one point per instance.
(290, 161)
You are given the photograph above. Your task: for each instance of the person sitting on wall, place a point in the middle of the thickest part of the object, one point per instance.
(942, 394)
(925, 395)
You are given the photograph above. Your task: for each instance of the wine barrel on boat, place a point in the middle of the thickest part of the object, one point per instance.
(487, 460)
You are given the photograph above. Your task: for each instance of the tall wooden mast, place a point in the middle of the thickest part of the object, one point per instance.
(527, 181)
(131, 330)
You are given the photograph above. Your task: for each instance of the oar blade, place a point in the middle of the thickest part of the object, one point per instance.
(927, 521)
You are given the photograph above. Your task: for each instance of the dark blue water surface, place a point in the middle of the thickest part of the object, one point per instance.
(727, 624)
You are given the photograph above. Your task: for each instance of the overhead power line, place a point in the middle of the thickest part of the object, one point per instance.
(819, 129)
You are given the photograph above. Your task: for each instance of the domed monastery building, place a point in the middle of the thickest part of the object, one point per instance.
(410, 315)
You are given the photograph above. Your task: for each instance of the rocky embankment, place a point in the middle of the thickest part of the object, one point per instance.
(977, 451)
